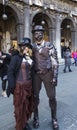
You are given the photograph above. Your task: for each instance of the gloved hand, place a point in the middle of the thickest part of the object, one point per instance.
(9, 91)
(54, 81)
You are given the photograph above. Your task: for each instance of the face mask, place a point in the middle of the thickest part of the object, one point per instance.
(38, 35)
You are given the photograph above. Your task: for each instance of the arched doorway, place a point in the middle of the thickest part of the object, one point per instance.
(43, 19)
(10, 28)
(66, 35)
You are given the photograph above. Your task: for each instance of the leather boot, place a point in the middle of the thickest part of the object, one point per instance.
(55, 124)
(70, 70)
(27, 127)
(64, 71)
(53, 105)
(36, 119)
(36, 123)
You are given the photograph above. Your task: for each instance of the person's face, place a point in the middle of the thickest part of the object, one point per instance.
(38, 35)
(25, 50)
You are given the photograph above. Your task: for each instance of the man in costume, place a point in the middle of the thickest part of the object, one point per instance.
(46, 71)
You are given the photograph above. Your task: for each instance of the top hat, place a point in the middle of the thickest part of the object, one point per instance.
(25, 42)
(38, 28)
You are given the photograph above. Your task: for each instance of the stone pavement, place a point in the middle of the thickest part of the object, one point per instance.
(66, 93)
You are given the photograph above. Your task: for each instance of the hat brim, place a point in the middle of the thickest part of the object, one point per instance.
(29, 46)
(21, 44)
(26, 45)
(38, 30)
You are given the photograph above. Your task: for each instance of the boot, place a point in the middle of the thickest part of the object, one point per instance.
(36, 119)
(36, 123)
(64, 71)
(53, 106)
(55, 124)
(70, 70)
(27, 127)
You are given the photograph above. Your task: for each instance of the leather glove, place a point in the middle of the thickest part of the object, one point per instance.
(12, 90)
(54, 81)
(9, 91)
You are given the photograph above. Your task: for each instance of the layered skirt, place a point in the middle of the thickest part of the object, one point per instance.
(23, 103)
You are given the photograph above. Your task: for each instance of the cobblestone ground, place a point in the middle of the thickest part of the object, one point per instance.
(66, 93)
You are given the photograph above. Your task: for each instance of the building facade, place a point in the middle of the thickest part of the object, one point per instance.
(59, 17)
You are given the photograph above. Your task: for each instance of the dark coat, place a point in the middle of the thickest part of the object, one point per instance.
(14, 66)
(4, 66)
(67, 57)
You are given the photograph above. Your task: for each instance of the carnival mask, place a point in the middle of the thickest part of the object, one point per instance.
(38, 35)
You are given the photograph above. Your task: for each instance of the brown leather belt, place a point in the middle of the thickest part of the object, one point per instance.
(42, 72)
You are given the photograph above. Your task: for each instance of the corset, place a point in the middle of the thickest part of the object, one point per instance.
(24, 72)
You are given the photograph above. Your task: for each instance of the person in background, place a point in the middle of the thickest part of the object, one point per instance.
(4, 64)
(20, 84)
(75, 57)
(11, 49)
(45, 70)
(72, 56)
(67, 58)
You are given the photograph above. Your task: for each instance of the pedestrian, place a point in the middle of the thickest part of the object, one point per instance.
(45, 70)
(20, 84)
(75, 57)
(4, 64)
(72, 56)
(67, 58)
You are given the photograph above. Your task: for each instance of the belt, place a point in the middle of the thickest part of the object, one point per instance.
(42, 72)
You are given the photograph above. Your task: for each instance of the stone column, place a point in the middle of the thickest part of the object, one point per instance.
(19, 32)
(74, 39)
(58, 36)
(26, 21)
(52, 35)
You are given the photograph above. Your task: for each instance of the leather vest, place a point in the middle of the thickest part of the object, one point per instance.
(42, 61)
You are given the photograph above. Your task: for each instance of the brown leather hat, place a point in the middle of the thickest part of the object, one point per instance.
(38, 28)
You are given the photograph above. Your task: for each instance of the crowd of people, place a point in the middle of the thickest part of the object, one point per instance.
(25, 69)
